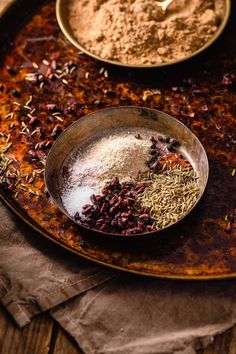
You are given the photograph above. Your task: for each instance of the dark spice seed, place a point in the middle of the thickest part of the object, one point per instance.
(205, 108)
(11, 177)
(227, 80)
(124, 203)
(88, 209)
(174, 142)
(140, 186)
(152, 160)
(123, 192)
(114, 211)
(47, 143)
(144, 216)
(228, 227)
(56, 130)
(40, 78)
(153, 140)
(46, 192)
(100, 198)
(111, 94)
(16, 93)
(98, 103)
(103, 227)
(86, 206)
(164, 139)
(93, 199)
(70, 64)
(77, 216)
(10, 70)
(156, 166)
(65, 170)
(103, 208)
(141, 190)
(71, 109)
(171, 147)
(153, 152)
(51, 77)
(138, 136)
(134, 230)
(83, 244)
(113, 200)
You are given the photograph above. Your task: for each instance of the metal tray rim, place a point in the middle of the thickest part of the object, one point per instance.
(9, 203)
(17, 211)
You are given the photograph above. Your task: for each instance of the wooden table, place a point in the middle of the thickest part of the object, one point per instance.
(44, 336)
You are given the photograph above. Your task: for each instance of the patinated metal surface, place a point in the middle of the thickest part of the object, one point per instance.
(201, 94)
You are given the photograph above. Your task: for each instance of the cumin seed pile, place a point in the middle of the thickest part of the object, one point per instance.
(170, 194)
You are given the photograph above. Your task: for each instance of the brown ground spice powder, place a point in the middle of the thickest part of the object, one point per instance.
(139, 32)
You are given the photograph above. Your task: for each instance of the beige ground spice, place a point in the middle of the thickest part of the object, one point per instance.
(139, 32)
(120, 155)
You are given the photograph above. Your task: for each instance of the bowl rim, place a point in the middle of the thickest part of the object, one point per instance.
(117, 235)
(63, 24)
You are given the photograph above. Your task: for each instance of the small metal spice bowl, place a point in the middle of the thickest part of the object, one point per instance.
(62, 18)
(100, 124)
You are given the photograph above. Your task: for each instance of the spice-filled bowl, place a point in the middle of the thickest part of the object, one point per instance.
(142, 33)
(126, 171)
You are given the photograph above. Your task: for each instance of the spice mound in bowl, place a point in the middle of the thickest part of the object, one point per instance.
(140, 32)
(129, 182)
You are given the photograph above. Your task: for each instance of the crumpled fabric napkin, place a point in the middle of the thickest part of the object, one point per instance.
(107, 311)
(35, 275)
(129, 315)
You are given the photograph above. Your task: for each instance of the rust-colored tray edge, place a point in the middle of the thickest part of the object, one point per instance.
(8, 202)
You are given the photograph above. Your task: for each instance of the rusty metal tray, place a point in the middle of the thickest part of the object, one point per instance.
(200, 93)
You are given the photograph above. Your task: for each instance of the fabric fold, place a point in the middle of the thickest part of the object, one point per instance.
(132, 315)
(35, 275)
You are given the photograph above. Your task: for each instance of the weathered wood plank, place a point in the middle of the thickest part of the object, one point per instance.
(3, 326)
(32, 339)
(65, 344)
(232, 346)
(220, 344)
(37, 338)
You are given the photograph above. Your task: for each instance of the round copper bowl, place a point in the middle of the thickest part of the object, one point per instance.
(99, 124)
(62, 18)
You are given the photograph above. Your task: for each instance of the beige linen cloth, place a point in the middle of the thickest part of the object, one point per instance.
(108, 312)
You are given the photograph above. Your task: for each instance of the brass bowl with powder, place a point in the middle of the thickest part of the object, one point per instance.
(126, 122)
(184, 32)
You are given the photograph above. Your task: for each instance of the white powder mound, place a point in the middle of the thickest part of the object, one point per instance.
(74, 198)
(120, 155)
